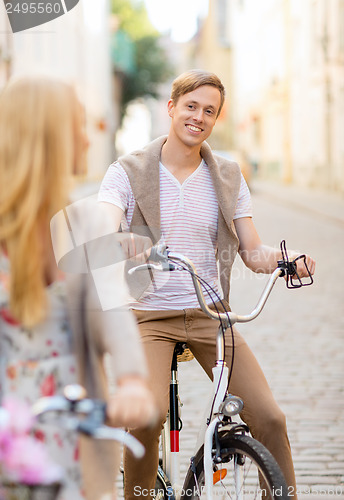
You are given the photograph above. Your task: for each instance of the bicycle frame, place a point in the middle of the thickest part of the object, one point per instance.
(174, 261)
(170, 433)
(171, 460)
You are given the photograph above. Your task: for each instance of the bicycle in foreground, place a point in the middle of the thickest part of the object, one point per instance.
(228, 462)
(75, 412)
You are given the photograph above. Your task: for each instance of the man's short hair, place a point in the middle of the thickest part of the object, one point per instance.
(192, 80)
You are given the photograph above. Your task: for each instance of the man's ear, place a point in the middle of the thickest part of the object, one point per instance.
(170, 108)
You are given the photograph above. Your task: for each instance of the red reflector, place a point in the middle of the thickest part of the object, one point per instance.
(174, 436)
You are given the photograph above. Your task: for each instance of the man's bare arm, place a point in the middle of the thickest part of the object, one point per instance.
(262, 258)
(116, 213)
(133, 245)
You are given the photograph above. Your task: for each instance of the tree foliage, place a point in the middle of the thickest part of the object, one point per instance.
(133, 18)
(149, 66)
(151, 69)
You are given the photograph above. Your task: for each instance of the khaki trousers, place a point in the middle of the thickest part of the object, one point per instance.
(160, 330)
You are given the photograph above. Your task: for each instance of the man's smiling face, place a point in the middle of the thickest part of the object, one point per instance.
(194, 114)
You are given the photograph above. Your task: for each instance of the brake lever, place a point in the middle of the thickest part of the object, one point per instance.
(163, 266)
(122, 436)
(144, 267)
(159, 254)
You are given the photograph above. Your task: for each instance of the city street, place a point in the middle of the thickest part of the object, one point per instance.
(298, 340)
(85, 83)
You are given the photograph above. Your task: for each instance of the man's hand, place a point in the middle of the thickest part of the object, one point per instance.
(300, 265)
(135, 247)
(132, 405)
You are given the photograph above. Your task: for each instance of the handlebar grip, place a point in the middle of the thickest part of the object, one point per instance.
(154, 254)
(158, 253)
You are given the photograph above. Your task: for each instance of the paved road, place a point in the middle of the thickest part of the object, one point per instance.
(298, 339)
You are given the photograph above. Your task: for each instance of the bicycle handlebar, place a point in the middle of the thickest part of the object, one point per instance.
(228, 317)
(86, 416)
(170, 262)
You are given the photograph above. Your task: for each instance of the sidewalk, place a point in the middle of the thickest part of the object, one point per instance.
(315, 201)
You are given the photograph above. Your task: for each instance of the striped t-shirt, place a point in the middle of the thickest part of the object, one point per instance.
(189, 219)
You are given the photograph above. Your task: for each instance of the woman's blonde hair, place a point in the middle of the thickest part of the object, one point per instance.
(40, 145)
(192, 80)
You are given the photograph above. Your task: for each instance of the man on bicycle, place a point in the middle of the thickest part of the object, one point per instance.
(200, 205)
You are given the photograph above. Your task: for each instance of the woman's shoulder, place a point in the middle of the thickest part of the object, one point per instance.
(56, 292)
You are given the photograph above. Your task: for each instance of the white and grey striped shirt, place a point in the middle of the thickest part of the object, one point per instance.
(189, 218)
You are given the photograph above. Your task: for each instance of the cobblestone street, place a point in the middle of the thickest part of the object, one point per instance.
(298, 339)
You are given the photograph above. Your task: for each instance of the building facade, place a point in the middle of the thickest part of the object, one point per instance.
(5, 47)
(288, 62)
(75, 48)
(282, 62)
(211, 49)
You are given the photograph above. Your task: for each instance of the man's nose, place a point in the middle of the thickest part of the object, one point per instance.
(198, 116)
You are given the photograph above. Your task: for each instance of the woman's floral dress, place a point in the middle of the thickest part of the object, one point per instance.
(38, 362)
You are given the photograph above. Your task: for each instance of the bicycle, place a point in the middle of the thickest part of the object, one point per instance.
(73, 411)
(228, 461)
(16, 491)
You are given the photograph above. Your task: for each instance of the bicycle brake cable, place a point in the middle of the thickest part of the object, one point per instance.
(209, 288)
(205, 285)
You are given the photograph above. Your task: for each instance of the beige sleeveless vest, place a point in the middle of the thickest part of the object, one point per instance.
(142, 168)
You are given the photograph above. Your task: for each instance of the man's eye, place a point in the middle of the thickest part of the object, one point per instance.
(210, 111)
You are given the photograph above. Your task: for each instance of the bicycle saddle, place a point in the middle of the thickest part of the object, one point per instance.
(183, 352)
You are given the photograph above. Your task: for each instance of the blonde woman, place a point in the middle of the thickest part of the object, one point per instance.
(42, 143)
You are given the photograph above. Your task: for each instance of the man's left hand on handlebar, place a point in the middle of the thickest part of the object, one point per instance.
(300, 265)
